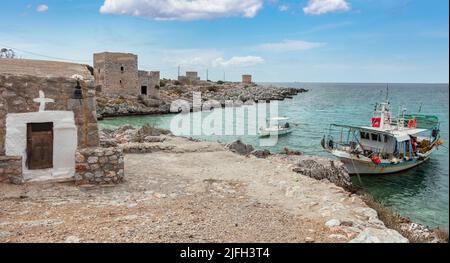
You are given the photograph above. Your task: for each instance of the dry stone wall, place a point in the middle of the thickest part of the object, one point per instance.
(98, 165)
(11, 169)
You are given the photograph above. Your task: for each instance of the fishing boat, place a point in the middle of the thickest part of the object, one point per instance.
(388, 145)
(276, 127)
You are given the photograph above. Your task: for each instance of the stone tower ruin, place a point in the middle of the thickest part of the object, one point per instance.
(117, 74)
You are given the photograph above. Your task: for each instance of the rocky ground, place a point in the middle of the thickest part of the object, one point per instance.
(188, 191)
(173, 90)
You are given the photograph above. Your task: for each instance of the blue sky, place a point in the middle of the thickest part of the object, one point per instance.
(275, 40)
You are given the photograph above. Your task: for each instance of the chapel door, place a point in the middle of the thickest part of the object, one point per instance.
(39, 145)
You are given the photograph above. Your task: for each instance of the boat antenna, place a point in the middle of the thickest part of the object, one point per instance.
(387, 92)
(420, 107)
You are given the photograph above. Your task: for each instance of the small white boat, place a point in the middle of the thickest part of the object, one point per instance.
(389, 145)
(277, 126)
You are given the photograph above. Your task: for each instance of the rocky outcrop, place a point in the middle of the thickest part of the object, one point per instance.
(239, 147)
(261, 153)
(134, 140)
(376, 235)
(286, 151)
(120, 106)
(150, 102)
(176, 97)
(334, 173)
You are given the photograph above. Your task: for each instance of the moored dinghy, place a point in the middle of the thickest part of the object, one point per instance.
(276, 127)
(389, 145)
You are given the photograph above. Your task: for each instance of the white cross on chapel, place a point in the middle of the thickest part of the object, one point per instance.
(43, 100)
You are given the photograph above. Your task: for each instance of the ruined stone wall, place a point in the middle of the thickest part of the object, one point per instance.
(192, 75)
(151, 80)
(247, 79)
(99, 165)
(42, 68)
(18, 92)
(117, 74)
(11, 169)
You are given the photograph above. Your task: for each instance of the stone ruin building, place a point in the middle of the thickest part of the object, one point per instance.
(48, 125)
(247, 79)
(149, 84)
(118, 74)
(190, 78)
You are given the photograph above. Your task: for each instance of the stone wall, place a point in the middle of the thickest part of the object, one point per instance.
(117, 74)
(18, 92)
(151, 80)
(192, 75)
(98, 165)
(47, 69)
(11, 169)
(247, 79)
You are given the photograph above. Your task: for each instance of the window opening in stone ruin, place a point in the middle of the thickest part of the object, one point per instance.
(143, 90)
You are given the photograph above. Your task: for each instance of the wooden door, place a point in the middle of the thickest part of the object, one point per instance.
(39, 145)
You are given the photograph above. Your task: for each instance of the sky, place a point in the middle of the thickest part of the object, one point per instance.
(383, 41)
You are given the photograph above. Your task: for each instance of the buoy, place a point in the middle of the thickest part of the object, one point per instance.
(440, 142)
(376, 160)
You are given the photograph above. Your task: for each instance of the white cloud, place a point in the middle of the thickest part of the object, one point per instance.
(283, 8)
(182, 9)
(290, 45)
(238, 61)
(207, 58)
(42, 8)
(318, 7)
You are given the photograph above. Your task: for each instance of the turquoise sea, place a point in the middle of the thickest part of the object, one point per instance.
(421, 194)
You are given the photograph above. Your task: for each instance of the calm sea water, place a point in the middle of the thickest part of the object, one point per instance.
(421, 194)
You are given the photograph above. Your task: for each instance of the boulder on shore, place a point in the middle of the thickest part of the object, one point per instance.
(240, 147)
(261, 153)
(290, 152)
(375, 235)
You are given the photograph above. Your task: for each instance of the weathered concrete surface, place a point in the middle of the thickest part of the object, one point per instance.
(191, 192)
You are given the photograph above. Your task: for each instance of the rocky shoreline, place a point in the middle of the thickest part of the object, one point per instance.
(173, 91)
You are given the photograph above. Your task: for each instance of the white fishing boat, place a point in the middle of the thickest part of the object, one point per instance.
(277, 126)
(389, 145)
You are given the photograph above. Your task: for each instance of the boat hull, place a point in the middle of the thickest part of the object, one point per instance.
(263, 133)
(366, 167)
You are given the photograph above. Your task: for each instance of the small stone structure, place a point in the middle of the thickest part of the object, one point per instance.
(247, 79)
(191, 78)
(117, 74)
(99, 165)
(149, 84)
(192, 75)
(43, 121)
